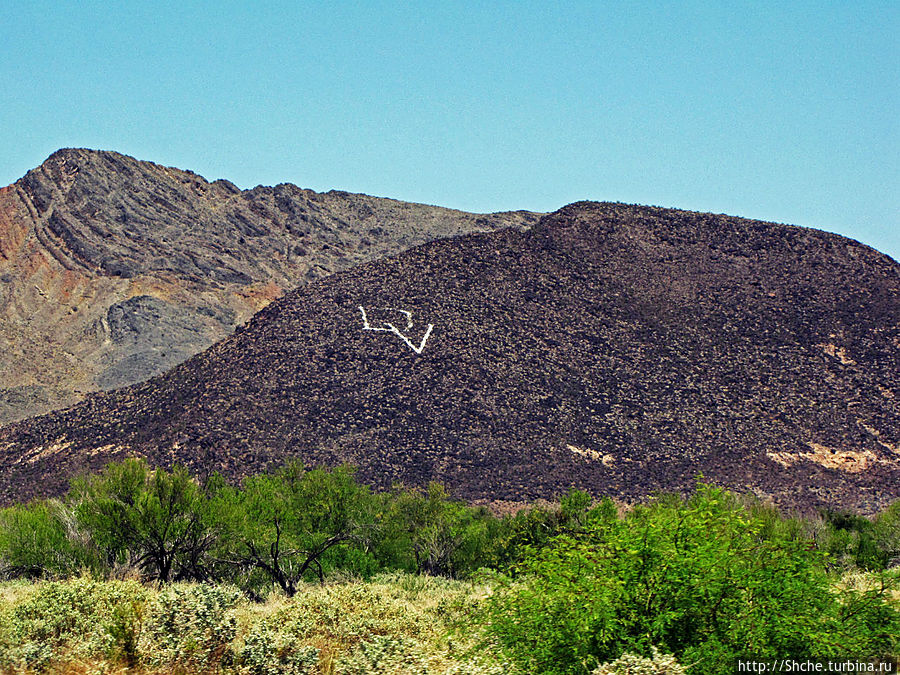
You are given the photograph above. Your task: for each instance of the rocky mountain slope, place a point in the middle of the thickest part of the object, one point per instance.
(617, 348)
(114, 270)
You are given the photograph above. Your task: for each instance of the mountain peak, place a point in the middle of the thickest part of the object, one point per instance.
(77, 159)
(88, 231)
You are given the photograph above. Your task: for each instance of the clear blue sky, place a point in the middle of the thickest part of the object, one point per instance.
(785, 111)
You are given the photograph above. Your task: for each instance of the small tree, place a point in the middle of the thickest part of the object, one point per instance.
(853, 540)
(444, 536)
(152, 519)
(285, 523)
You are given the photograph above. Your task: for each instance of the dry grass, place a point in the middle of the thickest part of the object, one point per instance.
(861, 581)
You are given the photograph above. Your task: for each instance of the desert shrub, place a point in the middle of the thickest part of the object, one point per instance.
(402, 617)
(773, 523)
(62, 621)
(886, 532)
(406, 621)
(632, 664)
(408, 656)
(521, 535)
(347, 614)
(287, 527)
(706, 579)
(698, 578)
(267, 651)
(523, 532)
(190, 626)
(852, 541)
(384, 654)
(124, 627)
(431, 533)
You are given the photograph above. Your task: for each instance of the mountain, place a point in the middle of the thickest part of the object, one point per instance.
(617, 348)
(113, 270)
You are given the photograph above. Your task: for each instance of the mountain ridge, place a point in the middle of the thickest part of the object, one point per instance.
(616, 348)
(95, 238)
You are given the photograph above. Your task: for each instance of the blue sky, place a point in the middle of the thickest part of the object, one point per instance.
(784, 111)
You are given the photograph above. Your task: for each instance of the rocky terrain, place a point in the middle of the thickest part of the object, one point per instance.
(113, 270)
(616, 348)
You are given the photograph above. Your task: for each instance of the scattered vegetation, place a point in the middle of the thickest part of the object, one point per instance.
(307, 571)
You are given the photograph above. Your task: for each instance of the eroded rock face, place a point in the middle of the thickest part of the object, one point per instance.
(90, 238)
(616, 348)
(155, 335)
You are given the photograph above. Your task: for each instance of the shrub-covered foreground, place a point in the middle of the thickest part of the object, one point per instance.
(396, 623)
(245, 580)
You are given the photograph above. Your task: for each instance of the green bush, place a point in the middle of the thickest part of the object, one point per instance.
(150, 518)
(125, 628)
(41, 540)
(707, 579)
(886, 532)
(287, 524)
(518, 536)
(699, 578)
(384, 654)
(431, 533)
(852, 541)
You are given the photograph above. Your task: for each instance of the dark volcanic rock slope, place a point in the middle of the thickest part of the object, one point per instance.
(620, 349)
(113, 270)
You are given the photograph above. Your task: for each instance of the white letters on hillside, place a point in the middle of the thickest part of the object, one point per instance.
(391, 328)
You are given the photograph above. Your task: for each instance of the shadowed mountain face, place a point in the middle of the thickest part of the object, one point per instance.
(113, 270)
(619, 349)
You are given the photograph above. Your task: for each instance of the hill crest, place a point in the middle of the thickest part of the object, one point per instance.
(616, 348)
